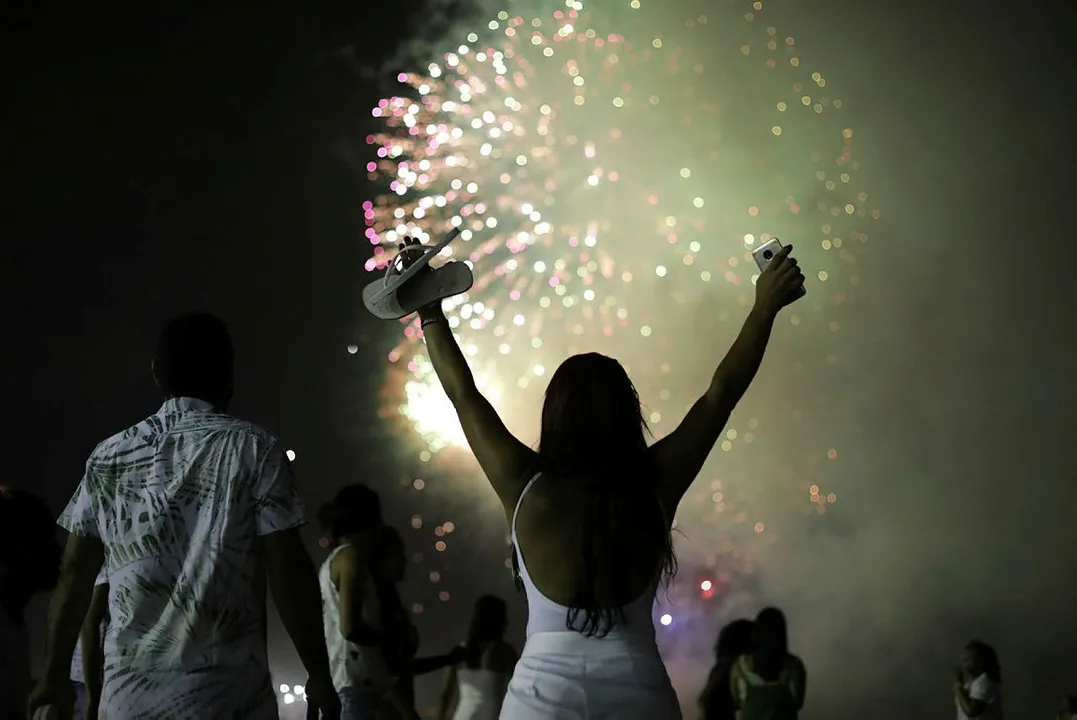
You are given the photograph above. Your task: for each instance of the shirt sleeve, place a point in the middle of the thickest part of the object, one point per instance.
(983, 689)
(277, 503)
(80, 516)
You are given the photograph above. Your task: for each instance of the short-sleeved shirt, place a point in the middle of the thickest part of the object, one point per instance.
(988, 692)
(77, 674)
(178, 502)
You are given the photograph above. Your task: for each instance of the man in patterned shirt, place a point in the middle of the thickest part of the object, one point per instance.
(191, 511)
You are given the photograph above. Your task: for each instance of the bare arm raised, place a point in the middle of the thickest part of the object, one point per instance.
(681, 454)
(501, 455)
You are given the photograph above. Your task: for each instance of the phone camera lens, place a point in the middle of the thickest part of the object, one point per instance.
(767, 254)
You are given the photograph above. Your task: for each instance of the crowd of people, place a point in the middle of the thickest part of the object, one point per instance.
(184, 522)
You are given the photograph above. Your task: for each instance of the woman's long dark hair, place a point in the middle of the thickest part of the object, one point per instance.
(734, 640)
(988, 660)
(487, 626)
(594, 434)
(770, 643)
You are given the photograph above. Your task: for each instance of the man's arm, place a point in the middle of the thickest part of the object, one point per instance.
(83, 557)
(294, 583)
(290, 573)
(93, 656)
(448, 693)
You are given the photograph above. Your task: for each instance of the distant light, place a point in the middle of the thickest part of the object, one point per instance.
(284, 689)
(666, 619)
(299, 690)
(291, 456)
(352, 349)
(705, 585)
(289, 699)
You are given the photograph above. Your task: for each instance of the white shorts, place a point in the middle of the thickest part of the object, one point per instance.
(566, 676)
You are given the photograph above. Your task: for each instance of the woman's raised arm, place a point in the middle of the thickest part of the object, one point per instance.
(503, 458)
(680, 455)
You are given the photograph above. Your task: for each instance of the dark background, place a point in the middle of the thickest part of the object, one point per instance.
(159, 160)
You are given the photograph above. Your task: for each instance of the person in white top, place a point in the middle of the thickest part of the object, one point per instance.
(591, 511)
(87, 664)
(978, 683)
(400, 638)
(769, 683)
(29, 564)
(477, 685)
(350, 609)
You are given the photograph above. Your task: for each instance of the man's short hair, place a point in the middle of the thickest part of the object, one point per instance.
(194, 356)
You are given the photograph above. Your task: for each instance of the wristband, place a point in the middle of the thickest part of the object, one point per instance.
(431, 320)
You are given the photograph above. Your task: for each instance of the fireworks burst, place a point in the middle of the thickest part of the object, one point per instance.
(610, 186)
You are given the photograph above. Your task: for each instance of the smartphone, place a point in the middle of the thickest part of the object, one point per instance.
(766, 252)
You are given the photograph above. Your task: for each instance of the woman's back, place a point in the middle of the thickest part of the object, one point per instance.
(547, 532)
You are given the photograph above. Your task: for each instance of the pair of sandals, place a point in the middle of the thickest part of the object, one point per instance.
(408, 286)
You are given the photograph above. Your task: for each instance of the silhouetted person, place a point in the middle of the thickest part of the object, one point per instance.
(352, 616)
(193, 513)
(400, 638)
(29, 564)
(716, 700)
(769, 683)
(978, 683)
(1069, 708)
(476, 685)
(590, 512)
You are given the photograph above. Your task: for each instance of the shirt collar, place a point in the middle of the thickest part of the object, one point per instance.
(185, 404)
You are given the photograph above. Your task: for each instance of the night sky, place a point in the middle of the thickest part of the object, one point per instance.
(162, 160)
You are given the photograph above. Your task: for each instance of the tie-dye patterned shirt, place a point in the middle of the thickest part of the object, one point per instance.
(179, 502)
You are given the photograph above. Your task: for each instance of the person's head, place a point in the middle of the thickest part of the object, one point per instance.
(388, 559)
(591, 415)
(594, 436)
(979, 658)
(770, 643)
(29, 551)
(489, 620)
(354, 513)
(734, 640)
(194, 358)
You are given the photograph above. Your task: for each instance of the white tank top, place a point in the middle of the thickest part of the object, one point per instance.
(352, 666)
(480, 694)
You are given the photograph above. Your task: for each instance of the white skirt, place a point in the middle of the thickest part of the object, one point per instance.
(566, 676)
